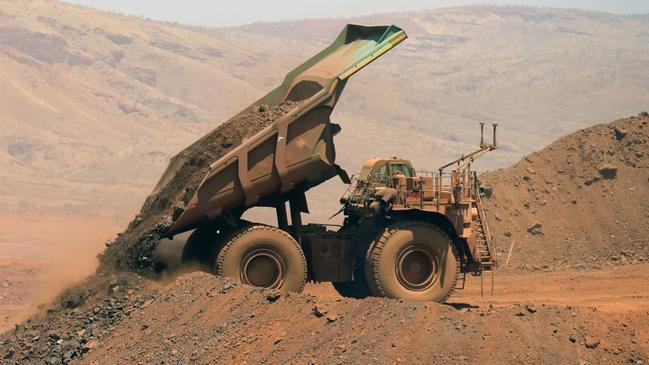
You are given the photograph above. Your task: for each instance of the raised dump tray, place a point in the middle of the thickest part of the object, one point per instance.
(296, 151)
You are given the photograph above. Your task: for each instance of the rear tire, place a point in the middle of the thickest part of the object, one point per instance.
(263, 256)
(413, 261)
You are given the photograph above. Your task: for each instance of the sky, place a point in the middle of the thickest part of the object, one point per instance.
(219, 13)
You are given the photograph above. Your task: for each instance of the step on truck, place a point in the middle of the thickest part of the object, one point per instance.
(406, 234)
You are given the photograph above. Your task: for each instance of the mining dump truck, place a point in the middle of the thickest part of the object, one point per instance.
(405, 234)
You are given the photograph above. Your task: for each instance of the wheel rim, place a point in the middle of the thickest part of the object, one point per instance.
(417, 267)
(264, 268)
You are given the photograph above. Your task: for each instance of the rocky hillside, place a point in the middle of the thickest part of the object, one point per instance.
(582, 201)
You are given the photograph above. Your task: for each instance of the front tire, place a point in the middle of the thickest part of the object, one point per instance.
(413, 261)
(263, 256)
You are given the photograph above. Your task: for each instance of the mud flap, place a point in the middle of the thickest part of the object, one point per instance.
(331, 257)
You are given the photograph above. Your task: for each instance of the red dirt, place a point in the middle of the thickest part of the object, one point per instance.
(587, 194)
(202, 320)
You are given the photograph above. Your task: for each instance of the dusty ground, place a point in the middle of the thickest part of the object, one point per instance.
(612, 289)
(532, 318)
(40, 256)
(568, 316)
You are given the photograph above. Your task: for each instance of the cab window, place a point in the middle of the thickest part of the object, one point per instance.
(399, 169)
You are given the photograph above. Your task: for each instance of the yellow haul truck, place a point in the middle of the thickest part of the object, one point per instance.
(404, 235)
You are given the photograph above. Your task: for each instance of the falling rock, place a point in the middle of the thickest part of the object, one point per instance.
(10, 352)
(486, 191)
(177, 212)
(273, 297)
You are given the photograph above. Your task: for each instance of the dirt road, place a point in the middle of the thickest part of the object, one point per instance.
(612, 289)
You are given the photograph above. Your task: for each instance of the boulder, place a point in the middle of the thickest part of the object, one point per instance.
(608, 172)
(620, 133)
(536, 228)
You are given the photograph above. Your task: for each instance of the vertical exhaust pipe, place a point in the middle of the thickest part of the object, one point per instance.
(481, 134)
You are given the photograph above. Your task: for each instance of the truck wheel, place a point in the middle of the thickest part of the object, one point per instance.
(412, 261)
(199, 248)
(357, 288)
(263, 256)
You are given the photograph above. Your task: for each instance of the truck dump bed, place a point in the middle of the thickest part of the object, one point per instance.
(294, 152)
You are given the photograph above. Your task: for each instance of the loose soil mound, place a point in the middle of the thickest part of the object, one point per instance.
(201, 319)
(582, 201)
(83, 316)
(133, 249)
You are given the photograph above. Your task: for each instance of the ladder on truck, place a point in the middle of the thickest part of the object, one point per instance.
(485, 250)
(466, 179)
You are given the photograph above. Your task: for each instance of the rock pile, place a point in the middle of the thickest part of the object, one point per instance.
(583, 201)
(81, 319)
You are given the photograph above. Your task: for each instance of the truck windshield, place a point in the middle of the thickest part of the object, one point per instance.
(393, 169)
(387, 170)
(399, 169)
